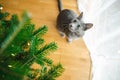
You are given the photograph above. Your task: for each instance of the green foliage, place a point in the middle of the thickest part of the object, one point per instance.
(47, 73)
(20, 46)
(52, 73)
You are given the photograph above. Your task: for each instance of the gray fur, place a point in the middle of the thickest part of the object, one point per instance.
(71, 25)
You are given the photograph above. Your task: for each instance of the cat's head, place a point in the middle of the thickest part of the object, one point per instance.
(78, 26)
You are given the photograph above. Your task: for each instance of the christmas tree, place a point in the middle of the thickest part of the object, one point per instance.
(21, 46)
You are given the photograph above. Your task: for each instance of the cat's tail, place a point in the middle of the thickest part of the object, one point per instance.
(60, 5)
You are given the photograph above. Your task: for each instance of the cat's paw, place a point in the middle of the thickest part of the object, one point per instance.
(62, 34)
(69, 40)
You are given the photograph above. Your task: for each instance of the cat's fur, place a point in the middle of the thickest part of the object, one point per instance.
(71, 25)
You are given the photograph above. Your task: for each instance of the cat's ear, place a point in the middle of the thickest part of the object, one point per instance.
(80, 16)
(88, 26)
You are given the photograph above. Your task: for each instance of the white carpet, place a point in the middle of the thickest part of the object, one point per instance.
(103, 40)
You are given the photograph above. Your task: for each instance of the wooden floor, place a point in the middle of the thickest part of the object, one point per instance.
(74, 57)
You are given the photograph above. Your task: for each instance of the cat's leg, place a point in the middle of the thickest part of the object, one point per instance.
(69, 40)
(62, 34)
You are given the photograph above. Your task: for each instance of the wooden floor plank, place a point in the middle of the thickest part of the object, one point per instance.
(74, 57)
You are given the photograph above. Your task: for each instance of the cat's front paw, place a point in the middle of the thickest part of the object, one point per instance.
(62, 34)
(69, 40)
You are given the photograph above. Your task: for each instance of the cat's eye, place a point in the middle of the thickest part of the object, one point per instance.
(78, 26)
(75, 21)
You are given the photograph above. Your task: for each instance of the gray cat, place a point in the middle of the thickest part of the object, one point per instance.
(71, 25)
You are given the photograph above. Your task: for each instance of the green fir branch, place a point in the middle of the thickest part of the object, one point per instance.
(51, 74)
(41, 31)
(48, 61)
(25, 19)
(3, 15)
(47, 49)
(21, 46)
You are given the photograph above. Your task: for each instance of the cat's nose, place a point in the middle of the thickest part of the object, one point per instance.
(70, 25)
(71, 28)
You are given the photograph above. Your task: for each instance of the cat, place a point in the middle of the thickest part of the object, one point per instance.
(70, 25)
